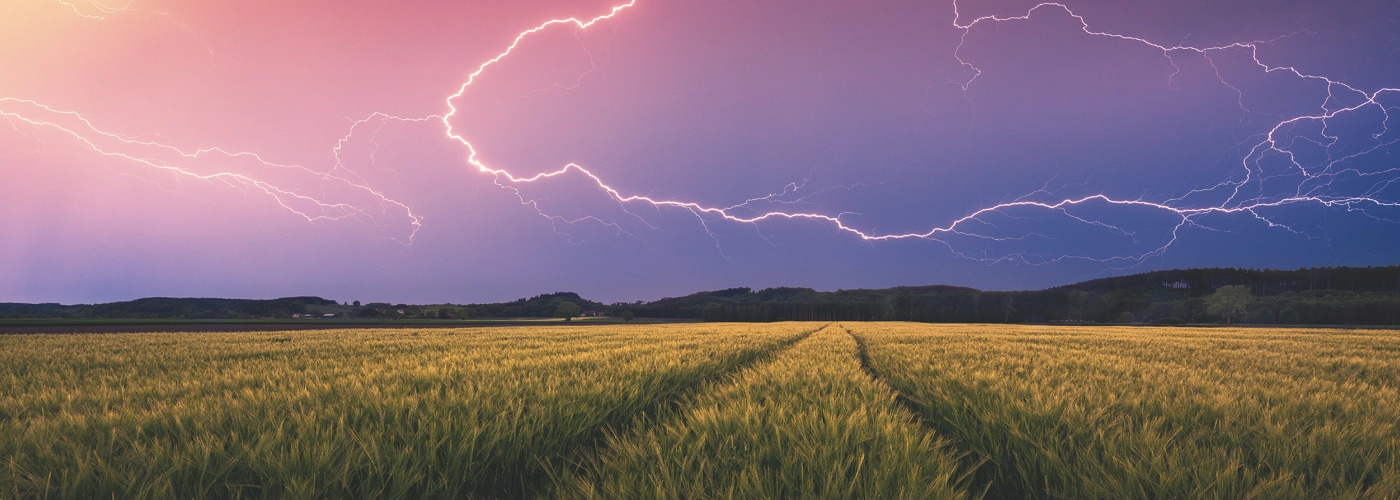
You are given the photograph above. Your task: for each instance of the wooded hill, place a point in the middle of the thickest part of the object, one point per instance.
(177, 308)
(543, 305)
(1326, 295)
(1319, 296)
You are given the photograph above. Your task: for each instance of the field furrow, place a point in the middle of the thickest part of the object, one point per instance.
(339, 414)
(810, 423)
(699, 411)
(1061, 412)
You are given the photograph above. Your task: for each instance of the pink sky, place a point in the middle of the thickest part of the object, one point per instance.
(850, 111)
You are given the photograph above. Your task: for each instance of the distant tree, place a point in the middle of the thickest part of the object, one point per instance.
(1288, 316)
(1229, 301)
(442, 313)
(1263, 315)
(713, 311)
(357, 303)
(567, 310)
(1077, 298)
(1126, 317)
(1008, 306)
(628, 316)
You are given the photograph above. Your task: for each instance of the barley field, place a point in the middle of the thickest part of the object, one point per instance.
(807, 424)
(1104, 412)
(714, 410)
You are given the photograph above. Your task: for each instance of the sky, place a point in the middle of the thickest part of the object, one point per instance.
(481, 151)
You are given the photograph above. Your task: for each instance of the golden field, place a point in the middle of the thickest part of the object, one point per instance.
(1105, 412)
(776, 410)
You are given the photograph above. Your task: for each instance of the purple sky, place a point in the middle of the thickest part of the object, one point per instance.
(264, 149)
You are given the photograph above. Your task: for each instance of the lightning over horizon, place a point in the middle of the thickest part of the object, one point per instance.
(1318, 154)
(1311, 190)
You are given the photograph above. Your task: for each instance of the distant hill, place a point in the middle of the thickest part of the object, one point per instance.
(1323, 296)
(165, 307)
(539, 306)
(201, 308)
(1265, 282)
(771, 304)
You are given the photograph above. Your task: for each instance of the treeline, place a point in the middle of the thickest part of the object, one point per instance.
(544, 305)
(1322, 296)
(539, 306)
(1316, 307)
(1263, 282)
(1318, 296)
(170, 308)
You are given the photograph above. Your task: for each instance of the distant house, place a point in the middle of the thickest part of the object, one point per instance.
(328, 315)
(297, 315)
(591, 313)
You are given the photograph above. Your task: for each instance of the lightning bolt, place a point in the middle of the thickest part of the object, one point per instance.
(1317, 186)
(1311, 191)
(183, 164)
(104, 9)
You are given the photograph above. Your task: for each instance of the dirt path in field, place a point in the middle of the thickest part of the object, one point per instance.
(809, 423)
(671, 404)
(971, 462)
(864, 356)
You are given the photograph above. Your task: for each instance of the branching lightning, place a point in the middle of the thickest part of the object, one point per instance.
(1312, 190)
(1238, 193)
(104, 10)
(187, 164)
